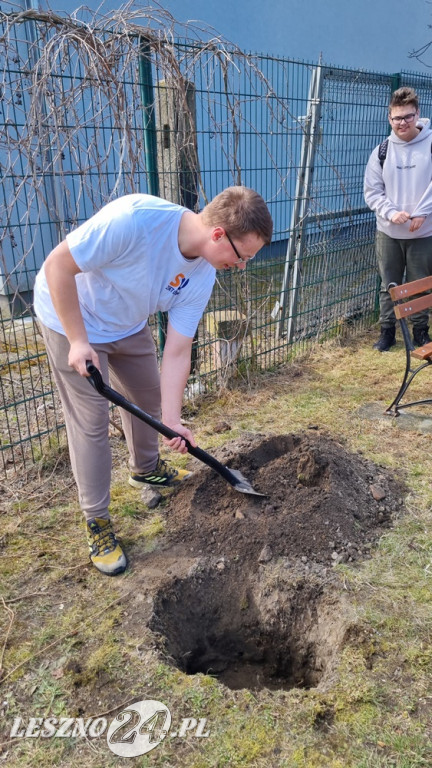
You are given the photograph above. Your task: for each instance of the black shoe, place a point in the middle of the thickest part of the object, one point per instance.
(386, 340)
(421, 336)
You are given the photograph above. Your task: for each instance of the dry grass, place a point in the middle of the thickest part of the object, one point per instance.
(56, 612)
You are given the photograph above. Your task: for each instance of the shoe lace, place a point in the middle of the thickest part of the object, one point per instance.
(163, 469)
(104, 539)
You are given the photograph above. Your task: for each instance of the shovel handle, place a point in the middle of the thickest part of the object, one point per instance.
(96, 380)
(116, 398)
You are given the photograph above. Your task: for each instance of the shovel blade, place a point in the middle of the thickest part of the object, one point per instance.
(240, 483)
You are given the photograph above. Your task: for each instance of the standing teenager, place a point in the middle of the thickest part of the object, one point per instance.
(398, 187)
(93, 296)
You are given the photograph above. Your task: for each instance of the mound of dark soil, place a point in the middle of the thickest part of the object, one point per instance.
(322, 503)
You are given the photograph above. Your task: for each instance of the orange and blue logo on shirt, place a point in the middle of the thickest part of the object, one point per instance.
(176, 285)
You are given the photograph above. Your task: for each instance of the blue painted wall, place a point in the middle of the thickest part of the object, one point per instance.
(371, 34)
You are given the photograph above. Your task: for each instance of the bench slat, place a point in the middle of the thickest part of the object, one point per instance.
(415, 305)
(422, 353)
(411, 289)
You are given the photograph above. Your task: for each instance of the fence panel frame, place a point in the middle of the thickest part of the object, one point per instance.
(250, 112)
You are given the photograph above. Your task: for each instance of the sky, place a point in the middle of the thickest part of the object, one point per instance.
(376, 35)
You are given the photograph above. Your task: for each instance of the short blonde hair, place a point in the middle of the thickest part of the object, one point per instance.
(240, 211)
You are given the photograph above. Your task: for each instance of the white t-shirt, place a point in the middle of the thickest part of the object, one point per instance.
(131, 267)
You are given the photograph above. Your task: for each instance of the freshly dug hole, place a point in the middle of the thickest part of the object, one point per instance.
(276, 629)
(264, 608)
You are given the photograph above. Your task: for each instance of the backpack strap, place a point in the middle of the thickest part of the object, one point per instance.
(382, 151)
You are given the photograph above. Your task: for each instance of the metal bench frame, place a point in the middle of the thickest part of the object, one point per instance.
(408, 299)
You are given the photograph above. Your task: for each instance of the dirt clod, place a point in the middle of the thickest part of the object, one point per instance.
(377, 492)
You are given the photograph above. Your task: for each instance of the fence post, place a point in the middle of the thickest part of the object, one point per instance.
(148, 102)
(396, 81)
(300, 211)
(177, 154)
(150, 147)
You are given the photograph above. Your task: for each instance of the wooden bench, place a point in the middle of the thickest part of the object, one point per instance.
(408, 299)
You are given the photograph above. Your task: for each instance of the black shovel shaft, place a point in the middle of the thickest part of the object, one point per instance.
(115, 397)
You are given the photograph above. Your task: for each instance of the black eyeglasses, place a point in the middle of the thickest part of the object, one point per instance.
(398, 119)
(240, 258)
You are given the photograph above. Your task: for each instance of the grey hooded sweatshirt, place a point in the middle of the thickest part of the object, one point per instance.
(403, 184)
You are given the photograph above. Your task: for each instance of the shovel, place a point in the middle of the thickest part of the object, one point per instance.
(232, 476)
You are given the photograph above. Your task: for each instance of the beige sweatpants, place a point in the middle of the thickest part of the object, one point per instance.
(130, 366)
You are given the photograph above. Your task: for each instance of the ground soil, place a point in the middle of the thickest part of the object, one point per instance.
(243, 587)
(257, 602)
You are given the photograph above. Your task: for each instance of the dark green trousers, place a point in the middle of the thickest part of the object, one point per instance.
(396, 260)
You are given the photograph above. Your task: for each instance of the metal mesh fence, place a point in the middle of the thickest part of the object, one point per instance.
(92, 111)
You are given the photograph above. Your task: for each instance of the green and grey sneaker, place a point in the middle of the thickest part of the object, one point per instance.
(162, 475)
(106, 553)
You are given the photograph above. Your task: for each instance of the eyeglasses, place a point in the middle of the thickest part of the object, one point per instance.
(243, 259)
(398, 119)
